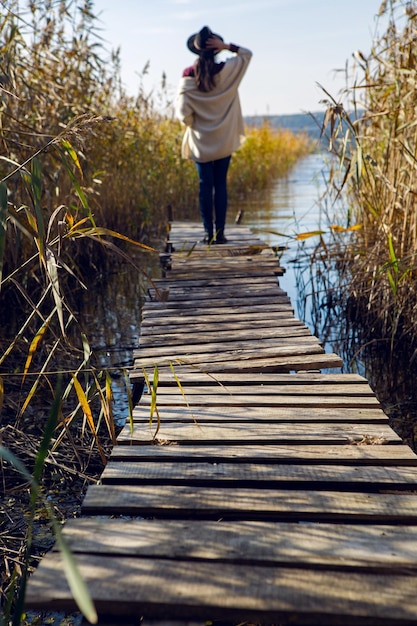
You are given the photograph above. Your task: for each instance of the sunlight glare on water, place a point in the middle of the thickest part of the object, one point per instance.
(292, 208)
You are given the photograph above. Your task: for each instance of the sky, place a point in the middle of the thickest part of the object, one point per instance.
(296, 44)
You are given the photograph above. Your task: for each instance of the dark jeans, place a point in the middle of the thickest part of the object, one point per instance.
(213, 192)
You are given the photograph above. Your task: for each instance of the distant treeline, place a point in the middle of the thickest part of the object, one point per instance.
(309, 123)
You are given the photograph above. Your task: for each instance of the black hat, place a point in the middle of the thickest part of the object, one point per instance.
(197, 42)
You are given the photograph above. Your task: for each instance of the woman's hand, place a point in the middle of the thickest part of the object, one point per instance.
(216, 44)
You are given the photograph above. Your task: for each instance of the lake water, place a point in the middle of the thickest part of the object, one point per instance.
(295, 206)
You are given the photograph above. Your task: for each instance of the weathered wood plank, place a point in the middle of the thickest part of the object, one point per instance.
(288, 363)
(219, 256)
(223, 302)
(359, 390)
(229, 433)
(312, 380)
(212, 313)
(194, 399)
(369, 451)
(180, 228)
(235, 246)
(197, 267)
(215, 282)
(218, 324)
(270, 268)
(288, 415)
(157, 588)
(249, 543)
(219, 336)
(234, 350)
(282, 363)
(179, 292)
(258, 475)
(185, 502)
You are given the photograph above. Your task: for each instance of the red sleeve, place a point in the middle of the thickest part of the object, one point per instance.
(189, 71)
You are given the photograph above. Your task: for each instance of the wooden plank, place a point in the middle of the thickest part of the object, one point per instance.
(312, 379)
(246, 252)
(219, 336)
(287, 363)
(367, 452)
(180, 229)
(217, 323)
(223, 302)
(246, 249)
(229, 433)
(235, 350)
(180, 292)
(256, 475)
(249, 245)
(178, 272)
(185, 502)
(242, 414)
(242, 265)
(224, 269)
(214, 317)
(153, 589)
(339, 546)
(184, 273)
(214, 281)
(270, 310)
(235, 246)
(271, 390)
(193, 399)
(218, 351)
(235, 237)
(184, 293)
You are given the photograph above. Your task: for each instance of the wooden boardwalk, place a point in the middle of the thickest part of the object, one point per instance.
(265, 490)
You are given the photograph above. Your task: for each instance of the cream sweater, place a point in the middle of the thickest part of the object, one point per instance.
(213, 119)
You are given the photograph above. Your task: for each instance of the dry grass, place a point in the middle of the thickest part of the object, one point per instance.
(376, 147)
(82, 168)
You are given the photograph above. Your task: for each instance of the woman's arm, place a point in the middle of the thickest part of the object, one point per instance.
(216, 44)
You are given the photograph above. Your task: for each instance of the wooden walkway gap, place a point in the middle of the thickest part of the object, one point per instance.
(269, 487)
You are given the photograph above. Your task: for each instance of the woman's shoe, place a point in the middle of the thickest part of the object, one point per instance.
(220, 238)
(208, 238)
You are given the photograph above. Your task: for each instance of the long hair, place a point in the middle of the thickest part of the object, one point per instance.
(205, 71)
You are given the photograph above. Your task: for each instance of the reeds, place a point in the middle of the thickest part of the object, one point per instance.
(267, 154)
(376, 147)
(83, 169)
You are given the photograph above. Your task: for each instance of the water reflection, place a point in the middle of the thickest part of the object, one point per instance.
(110, 313)
(293, 207)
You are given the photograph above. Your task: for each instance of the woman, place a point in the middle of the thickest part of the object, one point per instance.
(208, 104)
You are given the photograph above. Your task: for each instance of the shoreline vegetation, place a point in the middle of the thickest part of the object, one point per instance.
(371, 132)
(86, 175)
